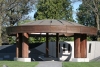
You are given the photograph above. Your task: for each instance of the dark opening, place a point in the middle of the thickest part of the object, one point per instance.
(59, 48)
(63, 47)
(89, 48)
(68, 48)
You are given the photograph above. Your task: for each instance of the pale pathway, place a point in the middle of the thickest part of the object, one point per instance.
(49, 64)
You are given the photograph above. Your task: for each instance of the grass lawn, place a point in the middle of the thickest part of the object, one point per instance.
(18, 64)
(81, 64)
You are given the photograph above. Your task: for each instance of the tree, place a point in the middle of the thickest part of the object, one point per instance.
(94, 5)
(92, 13)
(88, 14)
(86, 17)
(54, 9)
(11, 11)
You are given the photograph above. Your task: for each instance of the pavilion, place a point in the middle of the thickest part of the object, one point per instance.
(51, 27)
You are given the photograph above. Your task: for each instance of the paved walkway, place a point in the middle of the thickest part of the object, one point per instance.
(49, 64)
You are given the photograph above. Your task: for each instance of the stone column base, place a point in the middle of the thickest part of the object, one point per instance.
(23, 59)
(80, 60)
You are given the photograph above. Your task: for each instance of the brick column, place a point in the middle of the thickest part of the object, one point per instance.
(47, 45)
(83, 47)
(57, 45)
(77, 46)
(25, 47)
(18, 45)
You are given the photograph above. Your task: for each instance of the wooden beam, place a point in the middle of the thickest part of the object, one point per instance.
(83, 46)
(18, 45)
(25, 47)
(57, 45)
(47, 45)
(17, 48)
(77, 46)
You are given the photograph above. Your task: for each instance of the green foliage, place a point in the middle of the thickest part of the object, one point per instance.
(37, 39)
(89, 13)
(54, 9)
(12, 39)
(66, 38)
(31, 40)
(11, 11)
(52, 39)
(89, 38)
(85, 16)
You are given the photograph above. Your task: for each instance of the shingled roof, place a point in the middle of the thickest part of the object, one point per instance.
(52, 26)
(52, 22)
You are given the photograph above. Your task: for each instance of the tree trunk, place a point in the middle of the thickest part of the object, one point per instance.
(98, 25)
(97, 21)
(0, 31)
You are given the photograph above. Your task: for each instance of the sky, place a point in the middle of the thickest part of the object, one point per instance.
(75, 6)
